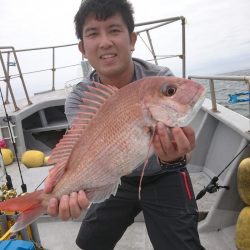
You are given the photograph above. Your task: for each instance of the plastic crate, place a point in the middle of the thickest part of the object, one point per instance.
(16, 245)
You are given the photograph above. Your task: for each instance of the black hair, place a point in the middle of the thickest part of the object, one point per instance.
(104, 9)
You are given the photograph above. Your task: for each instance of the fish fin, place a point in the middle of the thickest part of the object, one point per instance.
(22, 203)
(27, 217)
(94, 97)
(29, 205)
(57, 172)
(102, 193)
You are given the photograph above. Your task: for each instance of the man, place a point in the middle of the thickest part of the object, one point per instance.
(105, 29)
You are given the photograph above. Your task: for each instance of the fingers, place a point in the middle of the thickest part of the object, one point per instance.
(48, 187)
(181, 141)
(64, 210)
(171, 144)
(162, 140)
(83, 200)
(77, 202)
(70, 206)
(52, 209)
(190, 134)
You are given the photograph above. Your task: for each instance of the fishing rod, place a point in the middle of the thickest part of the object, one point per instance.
(8, 120)
(8, 177)
(213, 186)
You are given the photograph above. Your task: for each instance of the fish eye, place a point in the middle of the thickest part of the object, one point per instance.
(168, 90)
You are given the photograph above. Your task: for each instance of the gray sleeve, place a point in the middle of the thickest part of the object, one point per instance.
(73, 101)
(143, 69)
(164, 71)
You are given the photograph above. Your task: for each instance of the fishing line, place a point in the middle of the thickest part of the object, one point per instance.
(146, 161)
(41, 183)
(8, 120)
(233, 160)
(213, 185)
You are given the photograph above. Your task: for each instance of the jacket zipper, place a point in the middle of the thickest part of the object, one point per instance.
(184, 175)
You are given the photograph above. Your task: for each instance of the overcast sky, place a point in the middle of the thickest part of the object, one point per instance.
(217, 31)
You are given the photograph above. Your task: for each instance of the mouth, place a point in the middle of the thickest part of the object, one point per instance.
(107, 56)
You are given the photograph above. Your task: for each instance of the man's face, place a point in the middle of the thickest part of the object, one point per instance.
(107, 45)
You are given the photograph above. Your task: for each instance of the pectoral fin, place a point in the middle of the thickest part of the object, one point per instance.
(100, 194)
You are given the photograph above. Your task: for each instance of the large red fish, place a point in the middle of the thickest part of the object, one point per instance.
(109, 138)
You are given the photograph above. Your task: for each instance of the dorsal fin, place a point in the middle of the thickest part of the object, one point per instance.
(93, 98)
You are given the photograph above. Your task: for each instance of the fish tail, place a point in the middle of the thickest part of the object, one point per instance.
(30, 206)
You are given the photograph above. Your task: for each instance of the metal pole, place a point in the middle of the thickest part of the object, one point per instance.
(53, 69)
(183, 22)
(21, 76)
(7, 79)
(213, 97)
(151, 47)
(248, 83)
(8, 73)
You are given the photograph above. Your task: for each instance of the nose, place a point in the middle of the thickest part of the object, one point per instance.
(105, 41)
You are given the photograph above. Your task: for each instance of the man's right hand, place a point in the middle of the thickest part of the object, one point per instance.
(69, 206)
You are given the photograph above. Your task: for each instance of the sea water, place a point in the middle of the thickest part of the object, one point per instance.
(225, 88)
(222, 88)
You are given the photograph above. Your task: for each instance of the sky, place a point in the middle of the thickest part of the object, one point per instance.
(217, 32)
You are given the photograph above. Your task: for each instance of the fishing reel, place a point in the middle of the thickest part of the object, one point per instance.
(212, 187)
(7, 193)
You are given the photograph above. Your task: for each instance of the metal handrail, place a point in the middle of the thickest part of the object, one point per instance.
(9, 49)
(7, 77)
(161, 23)
(212, 80)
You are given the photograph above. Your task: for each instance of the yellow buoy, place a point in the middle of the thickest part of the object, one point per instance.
(46, 158)
(243, 180)
(8, 156)
(242, 239)
(33, 158)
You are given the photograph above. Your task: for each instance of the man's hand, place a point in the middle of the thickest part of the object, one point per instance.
(172, 143)
(69, 206)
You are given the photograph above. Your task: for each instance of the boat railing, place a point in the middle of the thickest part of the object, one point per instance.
(6, 64)
(212, 79)
(146, 28)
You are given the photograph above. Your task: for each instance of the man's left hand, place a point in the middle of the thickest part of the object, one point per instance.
(170, 144)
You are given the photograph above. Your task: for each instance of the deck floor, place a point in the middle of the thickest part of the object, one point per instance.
(135, 238)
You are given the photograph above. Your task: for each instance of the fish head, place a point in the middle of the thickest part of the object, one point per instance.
(171, 100)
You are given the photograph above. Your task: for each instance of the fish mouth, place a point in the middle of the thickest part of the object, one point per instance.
(198, 97)
(172, 115)
(196, 105)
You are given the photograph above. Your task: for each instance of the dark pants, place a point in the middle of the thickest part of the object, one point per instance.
(169, 209)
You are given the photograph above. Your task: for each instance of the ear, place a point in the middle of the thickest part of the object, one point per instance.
(81, 47)
(133, 38)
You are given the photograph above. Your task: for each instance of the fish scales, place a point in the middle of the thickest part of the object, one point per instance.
(110, 139)
(112, 135)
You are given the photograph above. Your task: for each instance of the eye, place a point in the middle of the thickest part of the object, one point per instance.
(115, 30)
(92, 34)
(168, 90)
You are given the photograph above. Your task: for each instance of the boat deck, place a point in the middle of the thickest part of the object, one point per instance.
(37, 99)
(135, 238)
